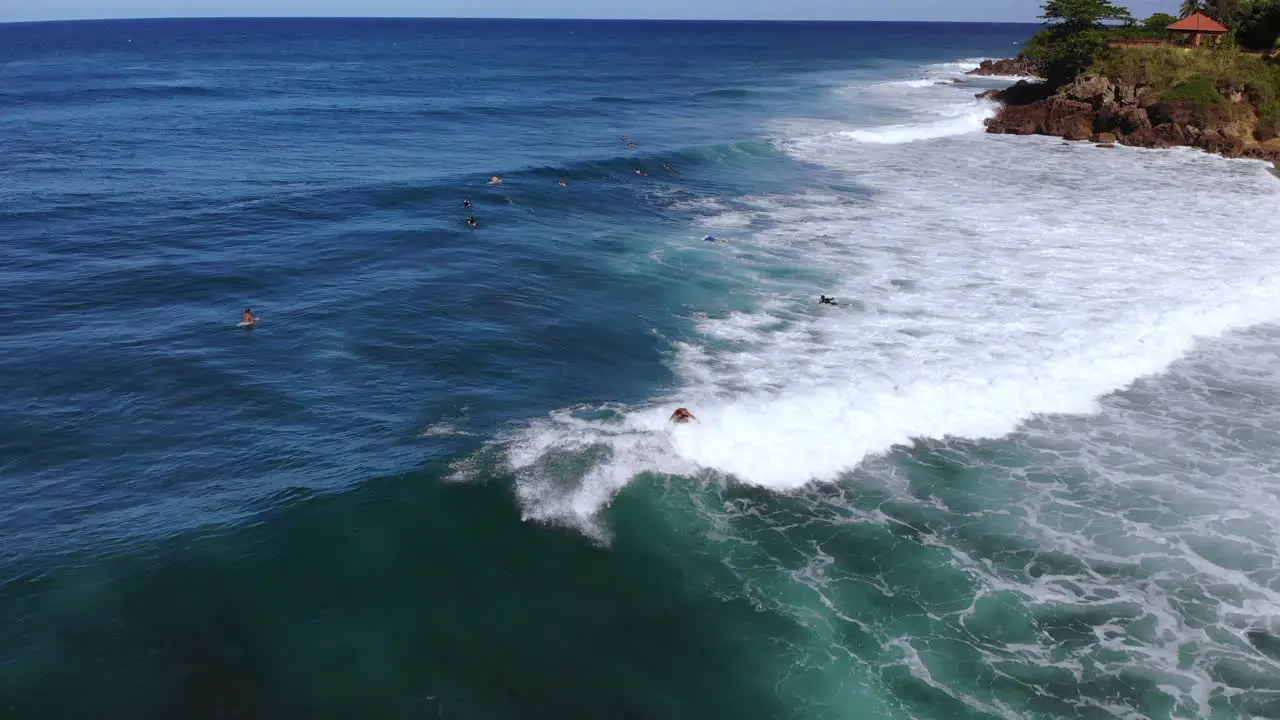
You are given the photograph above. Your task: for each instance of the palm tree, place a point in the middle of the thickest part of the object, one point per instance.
(1189, 8)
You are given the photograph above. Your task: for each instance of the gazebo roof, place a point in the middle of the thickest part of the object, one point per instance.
(1198, 22)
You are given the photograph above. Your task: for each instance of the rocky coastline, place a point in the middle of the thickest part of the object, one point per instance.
(1107, 111)
(1008, 67)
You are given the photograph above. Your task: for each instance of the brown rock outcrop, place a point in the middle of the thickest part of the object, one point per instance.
(1057, 116)
(1024, 92)
(1093, 89)
(1132, 119)
(1011, 67)
(1144, 137)
(1128, 111)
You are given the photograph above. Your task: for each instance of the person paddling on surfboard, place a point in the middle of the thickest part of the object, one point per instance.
(472, 223)
(824, 300)
(682, 415)
(247, 318)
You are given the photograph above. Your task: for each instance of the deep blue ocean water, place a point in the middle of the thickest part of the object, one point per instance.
(434, 480)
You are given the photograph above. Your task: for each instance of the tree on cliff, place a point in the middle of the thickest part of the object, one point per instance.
(1224, 11)
(1154, 27)
(1258, 24)
(1073, 16)
(1076, 36)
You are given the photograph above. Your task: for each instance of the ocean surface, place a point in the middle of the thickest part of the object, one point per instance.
(1029, 467)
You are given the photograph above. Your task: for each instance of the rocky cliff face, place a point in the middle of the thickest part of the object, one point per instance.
(1106, 110)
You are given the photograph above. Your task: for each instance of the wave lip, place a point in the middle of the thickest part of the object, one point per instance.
(971, 122)
(961, 66)
(569, 467)
(956, 119)
(948, 73)
(933, 90)
(916, 83)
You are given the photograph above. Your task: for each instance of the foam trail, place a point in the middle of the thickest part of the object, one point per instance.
(785, 440)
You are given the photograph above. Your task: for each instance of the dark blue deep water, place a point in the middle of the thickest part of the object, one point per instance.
(330, 515)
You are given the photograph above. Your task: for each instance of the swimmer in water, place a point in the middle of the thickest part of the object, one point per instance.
(682, 415)
(631, 145)
(471, 222)
(667, 167)
(641, 173)
(562, 183)
(626, 137)
(824, 300)
(495, 180)
(466, 203)
(247, 318)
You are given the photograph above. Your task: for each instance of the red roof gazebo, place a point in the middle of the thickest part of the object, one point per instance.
(1196, 26)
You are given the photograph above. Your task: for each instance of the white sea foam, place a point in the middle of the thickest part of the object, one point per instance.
(992, 287)
(442, 429)
(1009, 79)
(1138, 543)
(971, 119)
(917, 83)
(730, 219)
(992, 279)
(957, 67)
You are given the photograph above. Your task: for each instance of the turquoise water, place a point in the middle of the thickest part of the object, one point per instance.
(1026, 469)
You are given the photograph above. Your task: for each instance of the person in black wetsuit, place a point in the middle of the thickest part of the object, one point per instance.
(466, 204)
(472, 223)
(824, 300)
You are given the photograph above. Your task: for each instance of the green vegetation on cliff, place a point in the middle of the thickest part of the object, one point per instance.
(1197, 91)
(1215, 96)
(1206, 77)
(1077, 41)
(1078, 33)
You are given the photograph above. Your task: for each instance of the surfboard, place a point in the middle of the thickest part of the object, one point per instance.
(251, 323)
